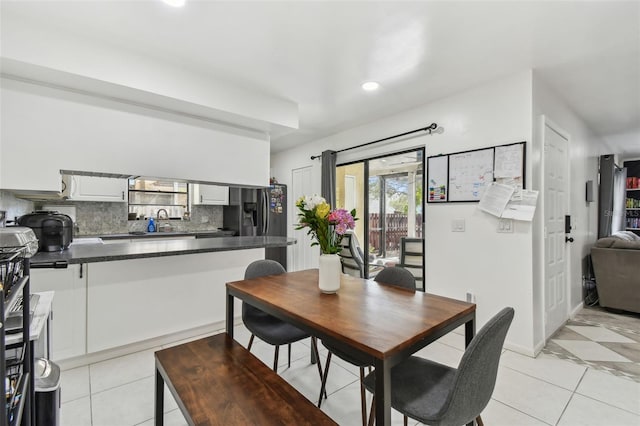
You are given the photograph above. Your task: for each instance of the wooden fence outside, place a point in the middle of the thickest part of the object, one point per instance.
(396, 227)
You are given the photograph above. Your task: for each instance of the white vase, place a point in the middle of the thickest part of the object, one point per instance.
(330, 272)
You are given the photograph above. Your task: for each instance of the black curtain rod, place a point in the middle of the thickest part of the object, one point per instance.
(429, 128)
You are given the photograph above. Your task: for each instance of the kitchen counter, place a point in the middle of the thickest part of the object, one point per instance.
(160, 234)
(155, 247)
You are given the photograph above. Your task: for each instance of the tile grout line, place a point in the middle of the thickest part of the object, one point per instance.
(120, 385)
(584, 373)
(543, 380)
(606, 403)
(519, 411)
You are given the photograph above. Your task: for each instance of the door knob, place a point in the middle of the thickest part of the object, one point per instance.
(568, 239)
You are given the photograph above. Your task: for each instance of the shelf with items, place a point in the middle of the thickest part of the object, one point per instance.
(15, 359)
(17, 386)
(632, 201)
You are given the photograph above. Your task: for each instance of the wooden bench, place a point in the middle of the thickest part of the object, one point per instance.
(216, 381)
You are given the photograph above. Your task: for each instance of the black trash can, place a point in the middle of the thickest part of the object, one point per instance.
(47, 387)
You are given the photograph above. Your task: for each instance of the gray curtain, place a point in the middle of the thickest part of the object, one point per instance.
(328, 185)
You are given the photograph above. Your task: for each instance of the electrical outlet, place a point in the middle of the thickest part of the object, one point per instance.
(457, 225)
(471, 298)
(505, 225)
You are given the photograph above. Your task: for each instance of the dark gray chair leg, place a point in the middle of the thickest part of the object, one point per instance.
(250, 342)
(289, 360)
(324, 379)
(275, 359)
(314, 347)
(363, 400)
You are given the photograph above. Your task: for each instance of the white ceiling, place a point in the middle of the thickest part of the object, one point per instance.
(317, 54)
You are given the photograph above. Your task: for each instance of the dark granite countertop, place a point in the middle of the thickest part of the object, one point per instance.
(88, 252)
(152, 235)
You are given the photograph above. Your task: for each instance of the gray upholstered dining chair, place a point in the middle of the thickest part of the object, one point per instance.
(268, 328)
(396, 277)
(439, 395)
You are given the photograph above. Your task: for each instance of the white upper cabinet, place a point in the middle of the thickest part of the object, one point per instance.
(210, 194)
(91, 188)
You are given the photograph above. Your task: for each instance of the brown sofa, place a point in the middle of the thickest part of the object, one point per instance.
(616, 265)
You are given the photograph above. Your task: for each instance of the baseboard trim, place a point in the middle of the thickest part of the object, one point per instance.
(158, 342)
(575, 310)
(530, 352)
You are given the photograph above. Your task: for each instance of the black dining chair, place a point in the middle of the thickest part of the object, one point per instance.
(439, 395)
(396, 277)
(268, 328)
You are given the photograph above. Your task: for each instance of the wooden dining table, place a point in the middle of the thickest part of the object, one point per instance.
(376, 323)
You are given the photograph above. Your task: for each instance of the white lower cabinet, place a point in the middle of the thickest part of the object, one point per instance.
(69, 326)
(130, 301)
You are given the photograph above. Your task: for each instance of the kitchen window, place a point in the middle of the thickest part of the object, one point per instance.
(147, 197)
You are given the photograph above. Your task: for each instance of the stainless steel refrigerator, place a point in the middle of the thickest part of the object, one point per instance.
(255, 212)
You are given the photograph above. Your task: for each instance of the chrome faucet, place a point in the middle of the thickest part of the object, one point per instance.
(166, 227)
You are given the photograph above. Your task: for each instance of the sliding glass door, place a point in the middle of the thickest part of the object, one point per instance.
(387, 193)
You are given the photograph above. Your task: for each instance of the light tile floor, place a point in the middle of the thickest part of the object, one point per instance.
(529, 392)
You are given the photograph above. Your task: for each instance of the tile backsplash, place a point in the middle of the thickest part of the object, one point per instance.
(100, 218)
(14, 207)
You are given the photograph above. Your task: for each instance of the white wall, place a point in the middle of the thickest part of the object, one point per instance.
(496, 267)
(584, 149)
(39, 49)
(44, 130)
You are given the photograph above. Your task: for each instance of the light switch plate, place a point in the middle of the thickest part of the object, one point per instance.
(505, 225)
(457, 225)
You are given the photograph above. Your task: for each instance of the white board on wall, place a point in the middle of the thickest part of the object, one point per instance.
(437, 178)
(469, 174)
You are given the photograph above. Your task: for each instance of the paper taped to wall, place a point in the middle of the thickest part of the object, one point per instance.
(522, 209)
(495, 198)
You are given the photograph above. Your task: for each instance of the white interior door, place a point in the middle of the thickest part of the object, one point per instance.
(555, 164)
(301, 255)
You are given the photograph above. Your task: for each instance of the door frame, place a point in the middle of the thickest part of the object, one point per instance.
(547, 122)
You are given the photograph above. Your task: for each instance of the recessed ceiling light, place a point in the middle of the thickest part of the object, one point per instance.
(370, 85)
(175, 3)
